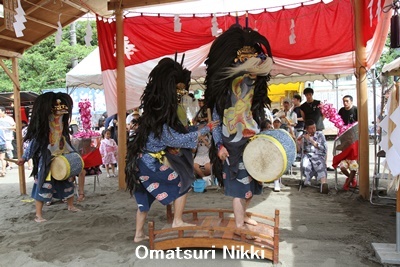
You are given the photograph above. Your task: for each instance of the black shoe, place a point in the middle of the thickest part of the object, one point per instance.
(330, 169)
(324, 188)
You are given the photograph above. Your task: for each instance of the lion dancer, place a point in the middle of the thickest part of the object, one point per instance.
(162, 135)
(238, 67)
(48, 137)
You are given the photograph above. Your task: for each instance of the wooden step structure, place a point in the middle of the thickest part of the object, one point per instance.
(216, 229)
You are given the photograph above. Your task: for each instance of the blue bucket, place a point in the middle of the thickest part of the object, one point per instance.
(199, 185)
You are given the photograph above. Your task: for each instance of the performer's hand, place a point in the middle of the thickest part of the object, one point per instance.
(20, 161)
(222, 153)
(212, 124)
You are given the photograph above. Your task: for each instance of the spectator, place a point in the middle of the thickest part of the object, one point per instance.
(7, 123)
(26, 143)
(313, 163)
(133, 115)
(310, 111)
(299, 127)
(348, 113)
(288, 118)
(3, 150)
(108, 151)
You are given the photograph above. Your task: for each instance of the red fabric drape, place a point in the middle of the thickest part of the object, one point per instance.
(92, 159)
(350, 153)
(321, 30)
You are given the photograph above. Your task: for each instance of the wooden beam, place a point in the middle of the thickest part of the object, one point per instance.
(9, 54)
(16, 40)
(9, 73)
(42, 22)
(76, 6)
(125, 4)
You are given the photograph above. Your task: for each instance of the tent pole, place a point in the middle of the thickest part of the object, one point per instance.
(121, 98)
(362, 99)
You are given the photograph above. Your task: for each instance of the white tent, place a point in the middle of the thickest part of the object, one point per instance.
(392, 68)
(87, 73)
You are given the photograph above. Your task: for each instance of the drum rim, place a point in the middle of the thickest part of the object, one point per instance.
(280, 148)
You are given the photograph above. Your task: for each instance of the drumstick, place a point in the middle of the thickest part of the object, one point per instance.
(12, 160)
(209, 118)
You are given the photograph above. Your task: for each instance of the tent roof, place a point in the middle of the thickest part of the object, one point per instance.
(27, 98)
(87, 72)
(392, 68)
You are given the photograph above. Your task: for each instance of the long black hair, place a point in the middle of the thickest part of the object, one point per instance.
(220, 61)
(159, 103)
(39, 128)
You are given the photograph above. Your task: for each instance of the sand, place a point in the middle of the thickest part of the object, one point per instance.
(315, 230)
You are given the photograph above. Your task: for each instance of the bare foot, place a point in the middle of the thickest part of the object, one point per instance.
(182, 224)
(237, 232)
(138, 239)
(250, 221)
(74, 209)
(40, 219)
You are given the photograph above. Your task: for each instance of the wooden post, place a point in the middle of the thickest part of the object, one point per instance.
(276, 238)
(362, 99)
(151, 234)
(18, 122)
(121, 98)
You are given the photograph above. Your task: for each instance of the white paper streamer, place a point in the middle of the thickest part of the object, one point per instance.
(292, 36)
(177, 24)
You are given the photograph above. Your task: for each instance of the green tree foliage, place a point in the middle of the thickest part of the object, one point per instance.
(388, 55)
(45, 65)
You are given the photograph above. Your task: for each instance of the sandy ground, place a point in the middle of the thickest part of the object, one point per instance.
(315, 230)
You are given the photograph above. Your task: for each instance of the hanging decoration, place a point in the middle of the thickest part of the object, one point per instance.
(19, 20)
(329, 112)
(177, 24)
(214, 28)
(59, 32)
(89, 33)
(292, 36)
(377, 12)
(86, 119)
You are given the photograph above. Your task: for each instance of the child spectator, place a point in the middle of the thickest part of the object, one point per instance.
(108, 151)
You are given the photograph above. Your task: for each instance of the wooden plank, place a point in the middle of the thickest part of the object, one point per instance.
(231, 225)
(208, 221)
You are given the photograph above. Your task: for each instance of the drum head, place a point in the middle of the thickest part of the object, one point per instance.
(60, 168)
(265, 158)
(287, 142)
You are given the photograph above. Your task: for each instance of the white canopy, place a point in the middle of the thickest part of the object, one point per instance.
(87, 73)
(392, 68)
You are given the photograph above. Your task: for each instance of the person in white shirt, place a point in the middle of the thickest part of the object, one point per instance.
(288, 118)
(7, 124)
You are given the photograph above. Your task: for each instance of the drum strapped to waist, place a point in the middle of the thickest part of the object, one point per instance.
(269, 154)
(67, 165)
